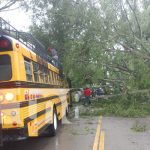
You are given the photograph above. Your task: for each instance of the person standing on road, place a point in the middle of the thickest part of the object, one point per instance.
(87, 93)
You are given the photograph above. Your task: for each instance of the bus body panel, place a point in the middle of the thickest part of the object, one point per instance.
(28, 105)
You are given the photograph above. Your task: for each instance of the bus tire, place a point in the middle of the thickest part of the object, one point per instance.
(54, 126)
(67, 111)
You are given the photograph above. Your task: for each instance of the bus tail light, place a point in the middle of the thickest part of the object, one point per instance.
(5, 43)
(14, 123)
(9, 96)
(1, 114)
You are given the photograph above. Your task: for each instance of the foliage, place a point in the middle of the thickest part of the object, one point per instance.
(97, 40)
(127, 105)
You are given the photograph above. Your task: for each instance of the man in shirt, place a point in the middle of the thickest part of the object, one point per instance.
(54, 55)
(87, 93)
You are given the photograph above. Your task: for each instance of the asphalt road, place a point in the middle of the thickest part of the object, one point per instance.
(85, 133)
(78, 135)
(126, 133)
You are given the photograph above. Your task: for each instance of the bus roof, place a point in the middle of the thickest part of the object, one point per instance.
(26, 39)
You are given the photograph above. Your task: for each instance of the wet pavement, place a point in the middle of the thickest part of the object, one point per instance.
(85, 133)
(126, 133)
(79, 134)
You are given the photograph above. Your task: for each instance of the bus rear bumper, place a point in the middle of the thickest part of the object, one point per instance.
(14, 134)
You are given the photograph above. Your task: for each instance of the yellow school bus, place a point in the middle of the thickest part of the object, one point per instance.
(33, 96)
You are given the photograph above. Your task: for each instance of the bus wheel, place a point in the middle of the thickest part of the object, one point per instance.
(54, 126)
(67, 111)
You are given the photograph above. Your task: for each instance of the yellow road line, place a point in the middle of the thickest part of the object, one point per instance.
(101, 144)
(97, 136)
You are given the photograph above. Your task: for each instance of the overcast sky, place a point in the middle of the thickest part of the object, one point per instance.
(17, 18)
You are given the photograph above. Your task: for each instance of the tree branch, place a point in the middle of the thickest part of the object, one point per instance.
(126, 15)
(8, 5)
(135, 16)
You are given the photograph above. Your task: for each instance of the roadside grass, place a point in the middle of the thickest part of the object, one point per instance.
(129, 105)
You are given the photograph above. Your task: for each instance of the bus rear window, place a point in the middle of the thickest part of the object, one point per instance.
(5, 68)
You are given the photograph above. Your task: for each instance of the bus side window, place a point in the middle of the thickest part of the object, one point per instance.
(56, 79)
(54, 74)
(28, 70)
(36, 71)
(51, 77)
(42, 74)
(53, 82)
(46, 75)
(59, 81)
